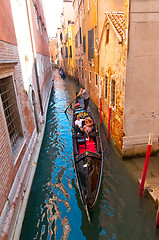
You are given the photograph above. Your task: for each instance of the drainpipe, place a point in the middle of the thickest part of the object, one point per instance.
(34, 56)
(38, 86)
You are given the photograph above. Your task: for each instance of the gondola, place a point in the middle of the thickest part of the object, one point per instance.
(62, 73)
(88, 159)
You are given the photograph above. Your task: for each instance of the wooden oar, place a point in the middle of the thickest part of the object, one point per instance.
(69, 105)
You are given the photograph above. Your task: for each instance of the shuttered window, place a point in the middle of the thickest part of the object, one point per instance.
(70, 51)
(90, 44)
(66, 52)
(80, 35)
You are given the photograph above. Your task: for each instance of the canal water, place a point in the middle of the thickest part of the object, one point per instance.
(54, 209)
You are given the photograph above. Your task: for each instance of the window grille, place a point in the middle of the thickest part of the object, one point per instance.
(10, 109)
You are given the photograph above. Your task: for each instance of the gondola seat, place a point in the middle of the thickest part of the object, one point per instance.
(81, 140)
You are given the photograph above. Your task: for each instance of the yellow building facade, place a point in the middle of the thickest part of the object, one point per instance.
(70, 50)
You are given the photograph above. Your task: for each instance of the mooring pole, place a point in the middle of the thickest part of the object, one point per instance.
(100, 105)
(146, 165)
(100, 96)
(157, 217)
(109, 116)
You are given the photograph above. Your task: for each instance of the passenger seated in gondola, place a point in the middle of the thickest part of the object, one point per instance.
(88, 126)
(78, 125)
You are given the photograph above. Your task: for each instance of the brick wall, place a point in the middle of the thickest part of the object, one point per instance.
(8, 169)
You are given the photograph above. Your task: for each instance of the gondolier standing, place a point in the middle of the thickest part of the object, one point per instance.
(85, 96)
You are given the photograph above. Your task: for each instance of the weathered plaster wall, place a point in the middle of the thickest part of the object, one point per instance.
(141, 112)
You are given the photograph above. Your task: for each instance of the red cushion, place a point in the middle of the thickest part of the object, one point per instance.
(77, 105)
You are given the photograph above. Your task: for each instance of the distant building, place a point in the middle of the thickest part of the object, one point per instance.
(70, 50)
(67, 18)
(53, 52)
(116, 56)
(25, 84)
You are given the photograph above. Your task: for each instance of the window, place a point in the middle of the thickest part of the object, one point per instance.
(70, 51)
(90, 44)
(107, 36)
(82, 70)
(10, 108)
(61, 37)
(113, 97)
(83, 10)
(90, 76)
(76, 42)
(66, 52)
(40, 24)
(85, 75)
(80, 35)
(36, 18)
(96, 79)
(70, 34)
(106, 87)
(84, 44)
(61, 52)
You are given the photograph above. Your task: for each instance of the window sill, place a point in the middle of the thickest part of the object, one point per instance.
(18, 148)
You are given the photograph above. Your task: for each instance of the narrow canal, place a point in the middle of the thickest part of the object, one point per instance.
(54, 208)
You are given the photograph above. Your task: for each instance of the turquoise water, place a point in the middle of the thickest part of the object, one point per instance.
(54, 208)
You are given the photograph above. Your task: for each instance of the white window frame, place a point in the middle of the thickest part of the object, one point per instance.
(106, 76)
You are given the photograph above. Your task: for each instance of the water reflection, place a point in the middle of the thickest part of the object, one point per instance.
(55, 210)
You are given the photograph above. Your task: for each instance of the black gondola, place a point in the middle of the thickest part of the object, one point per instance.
(62, 73)
(88, 159)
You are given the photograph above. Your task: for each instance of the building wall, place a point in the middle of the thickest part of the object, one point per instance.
(142, 74)
(7, 33)
(17, 64)
(89, 23)
(112, 66)
(107, 6)
(70, 42)
(52, 48)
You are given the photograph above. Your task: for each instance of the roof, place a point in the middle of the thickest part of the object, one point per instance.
(117, 20)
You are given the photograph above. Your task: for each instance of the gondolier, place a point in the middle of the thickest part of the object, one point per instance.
(85, 96)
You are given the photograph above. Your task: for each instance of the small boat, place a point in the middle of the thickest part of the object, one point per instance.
(88, 159)
(62, 73)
